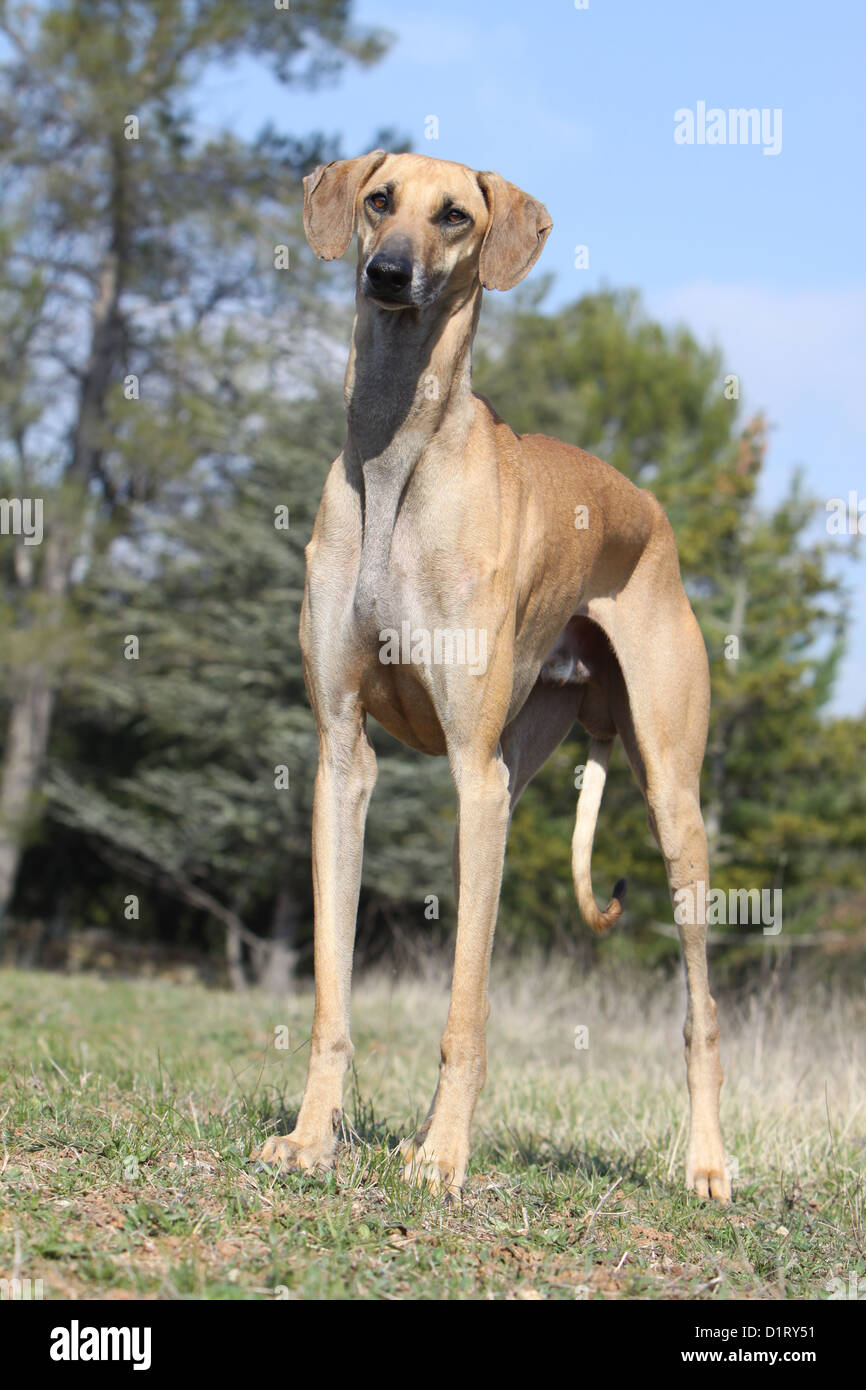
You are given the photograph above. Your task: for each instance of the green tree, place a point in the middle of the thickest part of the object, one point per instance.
(216, 806)
(125, 250)
(651, 401)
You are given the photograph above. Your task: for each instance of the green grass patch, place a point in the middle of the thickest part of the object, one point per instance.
(128, 1112)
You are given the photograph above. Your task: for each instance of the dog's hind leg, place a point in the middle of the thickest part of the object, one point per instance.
(661, 711)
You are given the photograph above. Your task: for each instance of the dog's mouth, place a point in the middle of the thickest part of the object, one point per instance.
(390, 299)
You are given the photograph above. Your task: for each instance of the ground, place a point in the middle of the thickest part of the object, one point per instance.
(128, 1112)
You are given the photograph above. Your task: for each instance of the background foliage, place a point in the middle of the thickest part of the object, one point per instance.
(165, 388)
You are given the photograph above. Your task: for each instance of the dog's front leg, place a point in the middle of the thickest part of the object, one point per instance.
(440, 1152)
(344, 783)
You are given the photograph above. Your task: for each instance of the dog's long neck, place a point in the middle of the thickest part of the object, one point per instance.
(410, 406)
(408, 383)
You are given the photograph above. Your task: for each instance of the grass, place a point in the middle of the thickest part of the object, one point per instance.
(128, 1111)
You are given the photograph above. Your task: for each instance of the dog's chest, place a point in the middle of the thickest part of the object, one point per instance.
(417, 567)
(390, 588)
(398, 567)
(421, 586)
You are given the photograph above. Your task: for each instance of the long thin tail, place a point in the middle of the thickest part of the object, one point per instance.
(588, 804)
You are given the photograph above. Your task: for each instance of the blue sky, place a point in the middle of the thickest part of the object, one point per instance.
(762, 254)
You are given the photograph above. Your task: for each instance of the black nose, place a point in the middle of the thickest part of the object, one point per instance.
(389, 274)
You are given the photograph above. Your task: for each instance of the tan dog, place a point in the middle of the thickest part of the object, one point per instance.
(477, 592)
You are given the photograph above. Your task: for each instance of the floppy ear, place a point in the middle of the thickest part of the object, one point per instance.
(330, 194)
(515, 235)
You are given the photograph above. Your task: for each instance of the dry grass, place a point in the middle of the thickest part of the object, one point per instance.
(128, 1111)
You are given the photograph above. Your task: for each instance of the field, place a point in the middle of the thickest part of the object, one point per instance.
(128, 1112)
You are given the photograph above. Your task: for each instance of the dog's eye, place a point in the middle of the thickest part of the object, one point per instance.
(378, 201)
(454, 216)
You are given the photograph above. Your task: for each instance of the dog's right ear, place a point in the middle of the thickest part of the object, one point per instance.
(330, 195)
(518, 228)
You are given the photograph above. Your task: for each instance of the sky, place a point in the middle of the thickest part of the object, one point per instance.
(759, 253)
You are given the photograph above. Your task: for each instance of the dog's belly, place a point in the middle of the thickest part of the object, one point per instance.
(424, 628)
(403, 684)
(412, 662)
(395, 689)
(398, 700)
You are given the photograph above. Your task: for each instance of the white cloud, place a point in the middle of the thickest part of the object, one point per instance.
(797, 352)
(801, 359)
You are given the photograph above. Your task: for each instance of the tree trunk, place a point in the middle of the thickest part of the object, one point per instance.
(35, 692)
(26, 740)
(277, 972)
(234, 952)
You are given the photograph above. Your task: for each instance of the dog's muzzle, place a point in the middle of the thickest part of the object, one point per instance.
(388, 278)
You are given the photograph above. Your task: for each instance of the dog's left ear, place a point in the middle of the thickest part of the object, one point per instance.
(515, 236)
(330, 195)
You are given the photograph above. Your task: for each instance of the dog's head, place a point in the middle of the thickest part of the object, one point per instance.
(426, 227)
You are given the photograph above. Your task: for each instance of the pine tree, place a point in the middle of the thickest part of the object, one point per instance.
(657, 406)
(126, 252)
(215, 809)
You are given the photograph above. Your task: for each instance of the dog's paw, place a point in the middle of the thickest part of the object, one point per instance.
(289, 1155)
(709, 1178)
(424, 1166)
